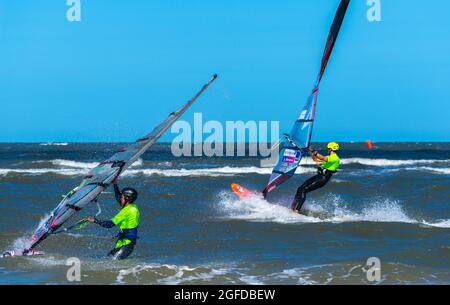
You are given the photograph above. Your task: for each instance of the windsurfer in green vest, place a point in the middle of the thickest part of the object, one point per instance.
(328, 165)
(127, 220)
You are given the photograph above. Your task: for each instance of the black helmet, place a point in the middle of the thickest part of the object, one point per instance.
(130, 194)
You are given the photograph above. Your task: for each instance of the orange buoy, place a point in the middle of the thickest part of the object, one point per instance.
(369, 144)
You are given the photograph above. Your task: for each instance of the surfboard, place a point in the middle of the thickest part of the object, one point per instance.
(242, 192)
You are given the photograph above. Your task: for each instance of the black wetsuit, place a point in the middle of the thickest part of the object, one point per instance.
(310, 185)
(122, 252)
(116, 253)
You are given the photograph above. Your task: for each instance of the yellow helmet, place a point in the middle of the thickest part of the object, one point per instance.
(333, 146)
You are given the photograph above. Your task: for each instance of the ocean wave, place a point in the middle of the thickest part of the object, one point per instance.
(41, 171)
(210, 172)
(174, 275)
(445, 223)
(438, 170)
(309, 275)
(304, 161)
(434, 170)
(53, 144)
(71, 164)
(168, 274)
(390, 162)
(346, 272)
(70, 167)
(259, 210)
(74, 169)
(82, 165)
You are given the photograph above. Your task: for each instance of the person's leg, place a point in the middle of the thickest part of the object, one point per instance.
(113, 252)
(123, 252)
(300, 196)
(309, 185)
(318, 183)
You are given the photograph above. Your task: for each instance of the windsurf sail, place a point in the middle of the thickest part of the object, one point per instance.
(100, 177)
(294, 146)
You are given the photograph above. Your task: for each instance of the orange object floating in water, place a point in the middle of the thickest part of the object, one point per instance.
(369, 144)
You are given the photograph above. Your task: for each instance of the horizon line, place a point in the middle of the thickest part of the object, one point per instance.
(194, 143)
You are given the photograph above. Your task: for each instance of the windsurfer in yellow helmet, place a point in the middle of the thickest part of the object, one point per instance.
(328, 165)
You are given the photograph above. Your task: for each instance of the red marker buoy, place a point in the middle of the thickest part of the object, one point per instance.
(369, 144)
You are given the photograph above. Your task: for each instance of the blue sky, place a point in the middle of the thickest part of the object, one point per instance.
(127, 64)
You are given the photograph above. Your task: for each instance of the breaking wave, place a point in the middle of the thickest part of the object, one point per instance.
(71, 168)
(211, 172)
(445, 171)
(167, 274)
(174, 274)
(390, 162)
(81, 169)
(41, 171)
(304, 161)
(82, 165)
(53, 144)
(323, 274)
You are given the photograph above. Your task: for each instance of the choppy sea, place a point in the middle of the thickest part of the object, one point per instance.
(390, 203)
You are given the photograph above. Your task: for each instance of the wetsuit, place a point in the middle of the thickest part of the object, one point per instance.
(128, 221)
(325, 171)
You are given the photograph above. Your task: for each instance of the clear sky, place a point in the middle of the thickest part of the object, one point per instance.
(127, 64)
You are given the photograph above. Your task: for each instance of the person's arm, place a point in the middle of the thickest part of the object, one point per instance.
(103, 223)
(316, 156)
(117, 192)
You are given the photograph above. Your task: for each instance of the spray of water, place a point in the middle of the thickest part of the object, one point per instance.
(332, 210)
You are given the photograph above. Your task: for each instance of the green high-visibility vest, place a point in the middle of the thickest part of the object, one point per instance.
(127, 219)
(332, 163)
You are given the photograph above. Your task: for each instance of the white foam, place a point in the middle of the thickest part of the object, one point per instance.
(333, 211)
(379, 211)
(211, 172)
(138, 163)
(445, 171)
(258, 209)
(70, 167)
(42, 171)
(54, 144)
(300, 274)
(48, 261)
(85, 165)
(24, 242)
(251, 280)
(445, 223)
(84, 169)
(180, 273)
(390, 162)
(179, 277)
(73, 164)
(21, 243)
